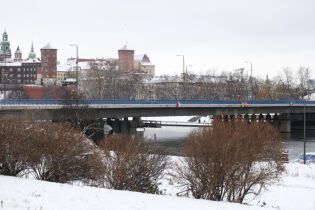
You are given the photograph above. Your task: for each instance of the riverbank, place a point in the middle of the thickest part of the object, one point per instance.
(296, 190)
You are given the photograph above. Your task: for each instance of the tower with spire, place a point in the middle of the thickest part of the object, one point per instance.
(18, 54)
(5, 50)
(32, 54)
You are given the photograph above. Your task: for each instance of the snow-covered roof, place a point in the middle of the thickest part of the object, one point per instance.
(48, 47)
(32, 60)
(144, 59)
(10, 64)
(70, 65)
(125, 48)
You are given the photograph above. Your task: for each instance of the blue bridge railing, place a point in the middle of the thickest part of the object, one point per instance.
(101, 102)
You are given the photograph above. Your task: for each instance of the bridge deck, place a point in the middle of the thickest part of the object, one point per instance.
(141, 108)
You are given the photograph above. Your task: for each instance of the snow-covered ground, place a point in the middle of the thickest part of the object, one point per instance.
(295, 191)
(18, 193)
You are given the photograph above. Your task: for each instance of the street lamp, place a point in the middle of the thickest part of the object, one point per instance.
(187, 82)
(304, 159)
(251, 77)
(77, 68)
(184, 77)
(251, 68)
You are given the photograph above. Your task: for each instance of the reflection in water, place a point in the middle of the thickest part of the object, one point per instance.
(171, 139)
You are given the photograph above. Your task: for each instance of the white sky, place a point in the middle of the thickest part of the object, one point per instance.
(212, 34)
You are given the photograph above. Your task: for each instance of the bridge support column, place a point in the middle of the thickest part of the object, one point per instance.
(125, 126)
(284, 123)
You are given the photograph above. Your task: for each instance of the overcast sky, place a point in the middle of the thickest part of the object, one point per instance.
(212, 34)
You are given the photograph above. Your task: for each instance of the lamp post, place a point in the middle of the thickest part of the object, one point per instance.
(187, 81)
(77, 68)
(251, 77)
(304, 159)
(184, 76)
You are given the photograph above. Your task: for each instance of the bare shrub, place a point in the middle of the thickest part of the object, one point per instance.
(230, 160)
(131, 164)
(61, 154)
(13, 147)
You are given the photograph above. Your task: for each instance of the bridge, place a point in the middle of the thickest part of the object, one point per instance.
(149, 108)
(117, 109)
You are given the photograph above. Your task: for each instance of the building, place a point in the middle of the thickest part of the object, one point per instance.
(128, 63)
(17, 70)
(24, 72)
(86, 69)
(18, 55)
(48, 68)
(125, 60)
(5, 50)
(27, 71)
(142, 64)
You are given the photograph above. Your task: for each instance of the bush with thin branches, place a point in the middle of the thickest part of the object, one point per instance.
(13, 147)
(60, 153)
(230, 161)
(132, 164)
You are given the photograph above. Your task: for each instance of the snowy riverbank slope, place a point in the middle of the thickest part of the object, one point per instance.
(18, 193)
(295, 191)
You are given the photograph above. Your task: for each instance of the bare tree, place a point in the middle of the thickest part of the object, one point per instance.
(131, 164)
(60, 153)
(14, 154)
(230, 160)
(303, 77)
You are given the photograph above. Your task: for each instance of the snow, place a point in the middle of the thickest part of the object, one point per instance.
(70, 65)
(33, 60)
(180, 119)
(32, 194)
(296, 190)
(125, 48)
(11, 64)
(173, 119)
(310, 97)
(19, 63)
(48, 47)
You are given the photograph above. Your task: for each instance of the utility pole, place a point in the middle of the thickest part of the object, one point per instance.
(184, 76)
(187, 82)
(251, 77)
(304, 159)
(77, 69)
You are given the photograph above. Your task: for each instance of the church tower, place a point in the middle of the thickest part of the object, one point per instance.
(5, 50)
(18, 54)
(32, 54)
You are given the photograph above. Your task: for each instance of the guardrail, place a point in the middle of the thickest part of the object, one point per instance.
(17, 102)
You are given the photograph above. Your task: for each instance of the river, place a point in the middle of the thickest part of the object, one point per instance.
(171, 139)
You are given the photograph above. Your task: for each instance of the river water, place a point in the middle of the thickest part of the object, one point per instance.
(171, 139)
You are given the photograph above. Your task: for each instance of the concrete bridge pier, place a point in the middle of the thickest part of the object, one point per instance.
(283, 123)
(124, 126)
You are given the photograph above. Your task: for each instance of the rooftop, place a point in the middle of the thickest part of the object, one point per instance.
(48, 47)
